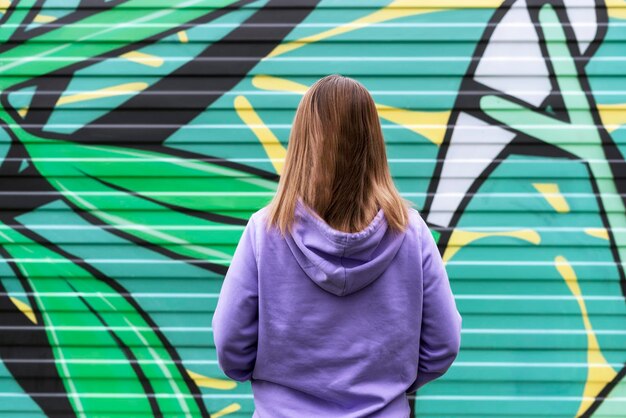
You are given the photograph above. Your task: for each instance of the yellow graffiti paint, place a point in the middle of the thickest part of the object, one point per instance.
(599, 372)
(44, 18)
(616, 8)
(273, 148)
(122, 222)
(613, 115)
(4, 5)
(182, 36)
(431, 125)
(269, 82)
(211, 382)
(118, 90)
(25, 309)
(601, 233)
(552, 194)
(143, 58)
(233, 407)
(460, 238)
(394, 10)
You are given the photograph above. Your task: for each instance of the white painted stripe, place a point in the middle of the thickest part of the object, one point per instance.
(321, 58)
(389, 92)
(541, 331)
(617, 399)
(117, 395)
(216, 295)
(547, 365)
(118, 295)
(108, 361)
(507, 331)
(535, 297)
(518, 398)
(209, 160)
(530, 263)
(58, 349)
(113, 260)
(138, 226)
(286, 126)
(163, 367)
(271, 193)
(70, 227)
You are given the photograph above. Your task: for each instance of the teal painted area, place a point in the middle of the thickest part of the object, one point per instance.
(132, 266)
(21, 98)
(507, 316)
(21, 405)
(431, 94)
(227, 136)
(605, 76)
(5, 142)
(576, 247)
(169, 54)
(608, 62)
(50, 10)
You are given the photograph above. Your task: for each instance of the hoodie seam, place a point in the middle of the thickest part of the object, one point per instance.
(313, 264)
(375, 224)
(256, 241)
(359, 236)
(420, 238)
(345, 277)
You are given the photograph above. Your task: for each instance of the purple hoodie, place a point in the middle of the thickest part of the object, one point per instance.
(327, 323)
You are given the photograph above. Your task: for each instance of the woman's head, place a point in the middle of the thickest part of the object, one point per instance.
(336, 161)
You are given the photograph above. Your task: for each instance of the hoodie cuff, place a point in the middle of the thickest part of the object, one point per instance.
(422, 379)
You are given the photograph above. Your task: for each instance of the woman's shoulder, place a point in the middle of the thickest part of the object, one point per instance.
(418, 226)
(415, 219)
(260, 215)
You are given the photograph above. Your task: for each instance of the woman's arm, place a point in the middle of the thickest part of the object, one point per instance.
(235, 321)
(440, 338)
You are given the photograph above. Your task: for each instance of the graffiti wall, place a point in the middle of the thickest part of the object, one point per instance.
(137, 137)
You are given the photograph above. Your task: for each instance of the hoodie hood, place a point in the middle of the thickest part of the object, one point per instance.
(340, 262)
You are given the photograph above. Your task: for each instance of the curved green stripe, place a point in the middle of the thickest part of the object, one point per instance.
(33, 56)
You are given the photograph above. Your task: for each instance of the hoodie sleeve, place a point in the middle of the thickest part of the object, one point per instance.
(235, 321)
(440, 338)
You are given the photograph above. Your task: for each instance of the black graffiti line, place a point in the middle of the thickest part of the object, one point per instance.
(70, 70)
(611, 150)
(209, 216)
(94, 220)
(35, 116)
(604, 393)
(133, 360)
(14, 345)
(152, 147)
(28, 18)
(181, 85)
(84, 9)
(121, 290)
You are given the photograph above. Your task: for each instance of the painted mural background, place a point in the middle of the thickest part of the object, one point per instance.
(137, 137)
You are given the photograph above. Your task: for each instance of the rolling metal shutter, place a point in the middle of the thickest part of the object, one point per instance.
(138, 136)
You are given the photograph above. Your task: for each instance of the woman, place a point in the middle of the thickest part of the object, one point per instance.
(336, 303)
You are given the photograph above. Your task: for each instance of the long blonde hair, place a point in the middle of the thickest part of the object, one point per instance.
(336, 161)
